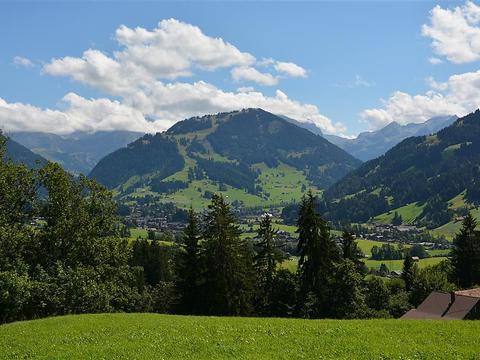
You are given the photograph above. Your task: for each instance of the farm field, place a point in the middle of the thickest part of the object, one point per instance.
(398, 264)
(291, 264)
(153, 336)
(408, 213)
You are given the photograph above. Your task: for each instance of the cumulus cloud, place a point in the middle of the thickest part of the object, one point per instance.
(81, 114)
(23, 61)
(290, 69)
(459, 95)
(455, 32)
(249, 73)
(143, 74)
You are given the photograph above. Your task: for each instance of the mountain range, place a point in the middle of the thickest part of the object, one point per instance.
(369, 145)
(77, 152)
(255, 157)
(428, 178)
(21, 155)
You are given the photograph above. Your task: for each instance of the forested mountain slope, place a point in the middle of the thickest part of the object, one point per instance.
(427, 170)
(251, 155)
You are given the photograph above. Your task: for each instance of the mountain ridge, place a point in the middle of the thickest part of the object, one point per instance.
(232, 151)
(77, 152)
(428, 170)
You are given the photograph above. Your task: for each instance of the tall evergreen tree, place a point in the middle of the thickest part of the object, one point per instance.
(466, 254)
(190, 270)
(228, 262)
(408, 272)
(266, 261)
(317, 253)
(351, 251)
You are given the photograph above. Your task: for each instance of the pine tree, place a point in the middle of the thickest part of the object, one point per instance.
(408, 272)
(190, 269)
(265, 264)
(228, 263)
(350, 249)
(317, 253)
(466, 254)
(397, 219)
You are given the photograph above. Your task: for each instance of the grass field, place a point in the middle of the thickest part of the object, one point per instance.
(449, 230)
(292, 263)
(408, 213)
(152, 336)
(398, 264)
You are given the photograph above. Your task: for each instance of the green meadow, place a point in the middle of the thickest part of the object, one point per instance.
(153, 336)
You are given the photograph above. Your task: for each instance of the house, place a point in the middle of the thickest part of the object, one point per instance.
(457, 305)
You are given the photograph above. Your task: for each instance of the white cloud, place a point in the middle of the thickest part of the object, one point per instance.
(143, 74)
(455, 32)
(249, 73)
(290, 69)
(22, 61)
(245, 89)
(434, 60)
(459, 95)
(81, 114)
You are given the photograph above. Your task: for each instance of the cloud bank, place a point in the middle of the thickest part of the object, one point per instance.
(455, 35)
(148, 75)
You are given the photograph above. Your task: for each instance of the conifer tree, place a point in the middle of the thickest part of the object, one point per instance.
(228, 263)
(317, 253)
(266, 261)
(408, 272)
(466, 254)
(190, 267)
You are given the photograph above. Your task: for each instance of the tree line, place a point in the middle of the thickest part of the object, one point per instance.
(61, 253)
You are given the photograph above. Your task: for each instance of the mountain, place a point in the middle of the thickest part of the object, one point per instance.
(21, 155)
(426, 178)
(253, 156)
(306, 125)
(369, 145)
(78, 152)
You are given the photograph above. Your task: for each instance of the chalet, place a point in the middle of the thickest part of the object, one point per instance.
(457, 305)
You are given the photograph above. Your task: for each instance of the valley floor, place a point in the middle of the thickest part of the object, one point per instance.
(153, 336)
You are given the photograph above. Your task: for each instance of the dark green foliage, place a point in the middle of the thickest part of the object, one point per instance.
(266, 261)
(260, 136)
(283, 300)
(317, 254)
(419, 251)
(191, 125)
(228, 263)
(154, 258)
(425, 169)
(167, 187)
(345, 294)
(190, 268)
(427, 280)
(71, 261)
(397, 219)
(388, 252)
(350, 249)
(150, 154)
(466, 254)
(236, 175)
(409, 271)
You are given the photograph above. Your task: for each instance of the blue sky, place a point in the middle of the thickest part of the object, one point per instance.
(354, 53)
